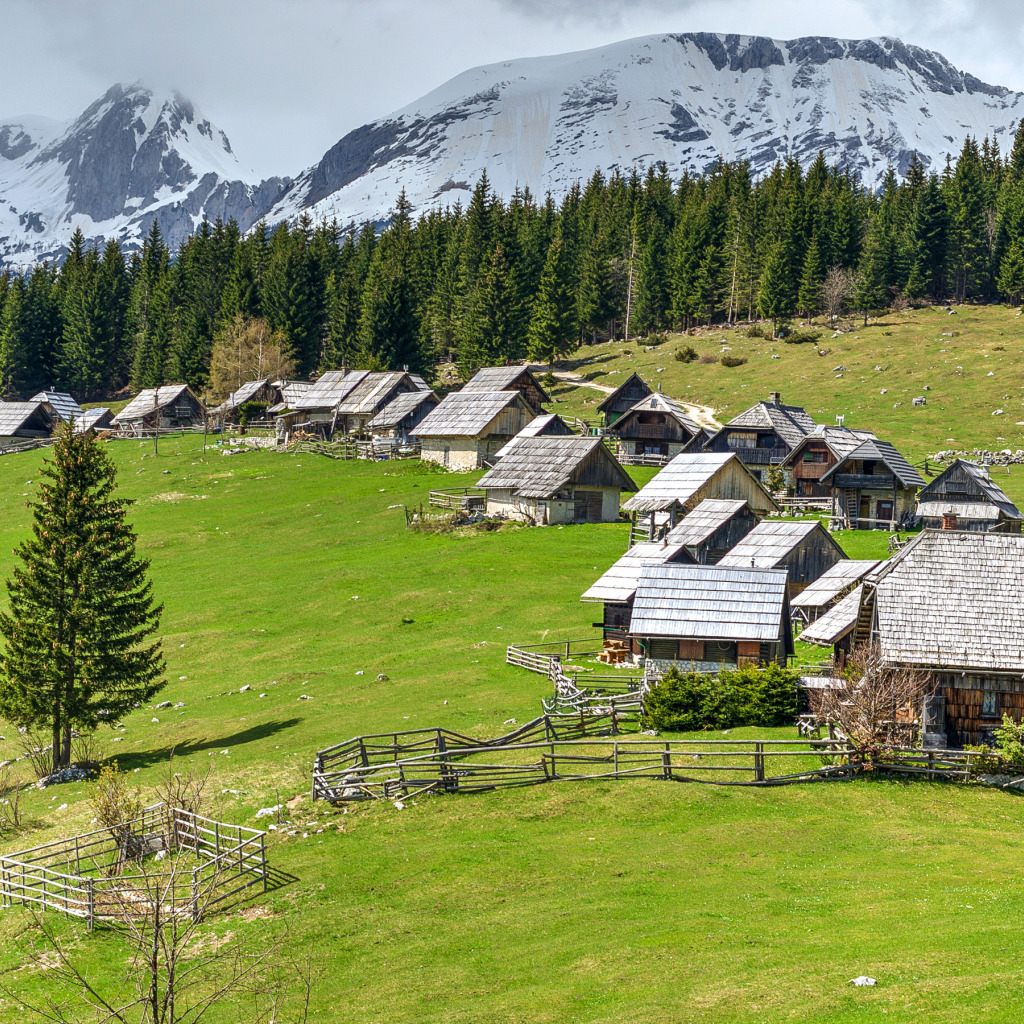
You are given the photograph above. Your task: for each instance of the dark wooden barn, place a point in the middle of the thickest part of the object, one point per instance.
(873, 487)
(25, 421)
(764, 435)
(803, 547)
(707, 617)
(965, 497)
(656, 426)
(815, 455)
(951, 605)
(168, 407)
(714, 527)
(623, 398)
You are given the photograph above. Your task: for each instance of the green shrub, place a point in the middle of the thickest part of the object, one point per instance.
(732, 360)
(755, 331)
(1010, 742)
(251, 411)
(750, 695)
(686, 354)
(654, 340)
(986, 763)
(802, 337)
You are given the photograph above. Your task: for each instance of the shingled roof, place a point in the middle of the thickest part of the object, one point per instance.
(830, 584)
(468, 413)
(34, 416)
(399, 407)
(790, 422)
(502, 378)
(710, 603)
(63, 405)
(619, 583)
(149, 400)
(329, 390)
(834, 624)
(982, 499)
(710, 515)
(682, 478)
(241, 396)
(838, 440)
(953, 600)
(768, 544)
(538, 467)
(372, 389)
(94, 419)
(548, 424)
(879, 451)
(657, 402)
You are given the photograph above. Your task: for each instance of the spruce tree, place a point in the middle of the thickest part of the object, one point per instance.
(553, 328)
(77, 648)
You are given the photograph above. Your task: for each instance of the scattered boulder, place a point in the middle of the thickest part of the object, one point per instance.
(920, 400)
(73, 773)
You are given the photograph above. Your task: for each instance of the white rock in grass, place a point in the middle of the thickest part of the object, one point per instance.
(242, 689)
(155, 720)
(862, 980)
(399, 805)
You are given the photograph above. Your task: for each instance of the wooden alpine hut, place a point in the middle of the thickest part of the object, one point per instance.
(510, 378)
(26, 421)
(402, 415)
(802, 547)
(95, 419)
(66, 408)
(714, 527)
(616, 588)
(167, 407)
(873, 487)
(550, 424)
(656, 427)
(548, 480)
(765, 434)
(261, 395)
(632, 390)
(686, 481)
(829, 588)
(816, 454)
(965, 497)
(951, 605)
(469, 427)
(707, 617)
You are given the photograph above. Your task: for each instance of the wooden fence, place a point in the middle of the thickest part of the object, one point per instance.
(467, 498)
(82, 876)
(433, 763)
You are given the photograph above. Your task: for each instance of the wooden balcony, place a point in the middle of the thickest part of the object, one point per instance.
(760, 456)
(864, 481)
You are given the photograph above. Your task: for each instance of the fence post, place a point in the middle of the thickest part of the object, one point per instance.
(263, 860)
(195, 895)
(666, 763)
(759, 762)
(91, 906)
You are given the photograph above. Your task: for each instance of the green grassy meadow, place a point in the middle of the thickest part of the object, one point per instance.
(620, 901)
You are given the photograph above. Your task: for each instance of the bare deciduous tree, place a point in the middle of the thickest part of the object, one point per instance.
(246, 350)
(835, 292)
(174, 971)
(874, 706)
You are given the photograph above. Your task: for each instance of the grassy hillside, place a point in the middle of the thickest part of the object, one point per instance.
(952, 355)
(637, 901)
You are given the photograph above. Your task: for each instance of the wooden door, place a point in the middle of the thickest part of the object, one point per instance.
(885, 511)
(864, 513)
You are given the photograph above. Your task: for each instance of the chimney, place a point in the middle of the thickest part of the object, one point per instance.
(776, 397)
(949, 520)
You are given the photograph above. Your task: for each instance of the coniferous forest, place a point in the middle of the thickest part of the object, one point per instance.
(500, 281)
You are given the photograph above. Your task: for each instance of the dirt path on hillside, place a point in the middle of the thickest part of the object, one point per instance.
(702, 415)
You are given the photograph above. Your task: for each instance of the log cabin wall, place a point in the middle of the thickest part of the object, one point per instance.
(975, 705)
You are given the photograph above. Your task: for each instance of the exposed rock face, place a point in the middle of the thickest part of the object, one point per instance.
(130, 158)
(684, 99)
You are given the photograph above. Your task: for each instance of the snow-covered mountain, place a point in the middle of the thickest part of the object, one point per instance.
(130, 157)
(541, 122)
(683, 99)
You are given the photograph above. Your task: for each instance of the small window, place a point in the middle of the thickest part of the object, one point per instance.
(990, 703)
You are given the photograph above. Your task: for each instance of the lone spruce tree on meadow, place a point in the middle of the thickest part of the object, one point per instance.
(77, 649)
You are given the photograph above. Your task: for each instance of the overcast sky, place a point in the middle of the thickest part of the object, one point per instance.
(285, 79)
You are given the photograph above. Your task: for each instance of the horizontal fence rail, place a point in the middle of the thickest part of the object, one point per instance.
(86, 877)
